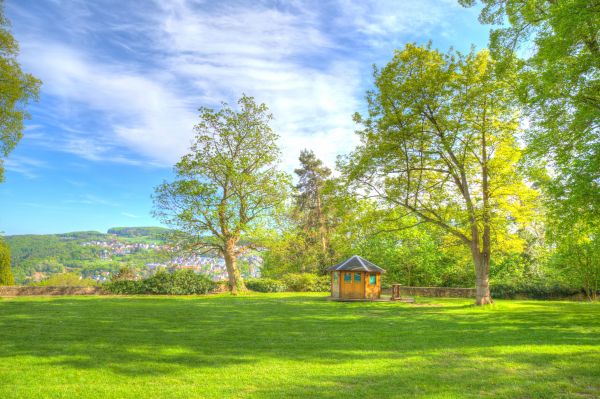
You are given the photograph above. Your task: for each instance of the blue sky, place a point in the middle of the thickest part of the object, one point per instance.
(123, 81)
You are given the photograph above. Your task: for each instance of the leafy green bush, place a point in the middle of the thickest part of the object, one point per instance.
(265, 285)
(66, 280)
(124, 273)
(306, 282)
(533, 290)
(6, 276)
(181, 282)
(126, 287)
(186, 282)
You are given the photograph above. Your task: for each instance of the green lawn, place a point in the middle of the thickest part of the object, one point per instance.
(295, 346)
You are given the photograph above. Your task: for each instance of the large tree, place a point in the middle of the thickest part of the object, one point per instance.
(17, 89)
(228, 185)
(557, 45)
(439, 144)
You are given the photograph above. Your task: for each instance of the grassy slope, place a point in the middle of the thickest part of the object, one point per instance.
(295, 345)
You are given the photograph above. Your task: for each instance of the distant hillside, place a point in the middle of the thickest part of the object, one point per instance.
(131, 232)
(36, 256)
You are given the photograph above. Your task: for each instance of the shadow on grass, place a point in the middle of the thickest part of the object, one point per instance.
(400, 348)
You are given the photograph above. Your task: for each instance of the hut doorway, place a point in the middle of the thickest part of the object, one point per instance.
(353, 285)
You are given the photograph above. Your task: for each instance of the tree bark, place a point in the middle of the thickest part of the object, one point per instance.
(482, 258)
(236, 283)
(323, 231)
(482, 278)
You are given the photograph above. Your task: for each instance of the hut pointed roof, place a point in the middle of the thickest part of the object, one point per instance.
(358, 264)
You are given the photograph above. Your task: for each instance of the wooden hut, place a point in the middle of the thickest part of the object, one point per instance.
(356, 278)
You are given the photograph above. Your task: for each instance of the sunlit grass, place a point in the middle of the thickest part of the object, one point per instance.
(295, 345)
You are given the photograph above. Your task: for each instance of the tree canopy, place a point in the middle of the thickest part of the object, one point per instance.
(17, 90)
(439, 142)
(228, 185)
(557, 45)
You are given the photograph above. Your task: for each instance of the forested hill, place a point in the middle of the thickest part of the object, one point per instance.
(87, 252)
(132, 232)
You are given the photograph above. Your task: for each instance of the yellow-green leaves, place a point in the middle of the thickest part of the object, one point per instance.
(17, 89)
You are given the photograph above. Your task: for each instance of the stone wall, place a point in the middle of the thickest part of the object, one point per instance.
(446, 292)
(26, 290)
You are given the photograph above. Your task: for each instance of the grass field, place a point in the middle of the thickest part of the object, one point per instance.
(296, 346)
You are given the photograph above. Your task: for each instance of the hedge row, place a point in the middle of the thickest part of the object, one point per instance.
(296, 282)
(533, 290)
(181, 282)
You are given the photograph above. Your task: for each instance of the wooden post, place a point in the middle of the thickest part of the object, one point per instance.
(395, 291)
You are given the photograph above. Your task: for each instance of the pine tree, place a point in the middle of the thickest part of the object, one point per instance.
(310, 210)
(6, 276)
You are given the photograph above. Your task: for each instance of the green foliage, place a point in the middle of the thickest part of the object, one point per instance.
(150, 234)
(66, 280)
(577, 257)
(17, 90)
(296, 282)
(533, 290)
(439, 146)
(558, 84)
(228, 186)
(124, 273)
(126, 287)
(557, 46)
(306, 282)
(180, 282)
(421, 256)
(290, 251)
(311, 214)
(6, 276)
(55, 253)
(265, 285)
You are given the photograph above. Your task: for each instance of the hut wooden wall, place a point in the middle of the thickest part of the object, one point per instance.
(348, 287)
(335, 284)
(372, 291)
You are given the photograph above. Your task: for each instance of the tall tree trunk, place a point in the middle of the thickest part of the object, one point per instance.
(323, 231)
(482, 278)
(236, 284)
(482, 258)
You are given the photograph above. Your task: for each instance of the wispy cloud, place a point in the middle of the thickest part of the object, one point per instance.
(129, 215)
(91, 199)
(25, 166)
(133, 95)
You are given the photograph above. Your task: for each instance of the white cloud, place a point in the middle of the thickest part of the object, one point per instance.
(289, 55)
(91, 199)
(379, 19)
(279, 57)
(138, 110)
(25, 166)
(129, 215)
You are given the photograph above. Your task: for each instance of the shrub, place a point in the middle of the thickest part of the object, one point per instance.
(124, 273)
(306, 282)
(66, 280)
(186, 282)
(128, 287)
(181, 282)
(160, 283)
(265, 285)
(533, 290)
(6, 276)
